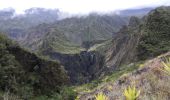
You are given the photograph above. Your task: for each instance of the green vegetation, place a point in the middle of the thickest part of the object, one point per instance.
(101, 47)
(166, 65)
(90, 28)
(66, 93)
(89, 87)
(53, 42)
(101, 96)
(131, 93)
(26, 75)
(155, 38)
(60, 44)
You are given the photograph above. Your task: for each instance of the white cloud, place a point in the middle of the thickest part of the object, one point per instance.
(80, 6)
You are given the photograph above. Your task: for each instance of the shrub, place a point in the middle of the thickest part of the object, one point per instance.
(166, 65)
(101, 96)
(131, 93)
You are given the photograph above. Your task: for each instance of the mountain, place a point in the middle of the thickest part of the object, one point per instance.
(63, 41)
(131, 51)
(44, 38)
(60, 41)
(91, 28)
(15, 25)
(26, 75)
(91, 53)
(139, 12)
(78, 30)
(6, 13)
(142, 38)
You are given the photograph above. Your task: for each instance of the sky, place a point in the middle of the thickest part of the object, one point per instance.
(81, 6)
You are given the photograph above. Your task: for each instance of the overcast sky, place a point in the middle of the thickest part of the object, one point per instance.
(81, 6)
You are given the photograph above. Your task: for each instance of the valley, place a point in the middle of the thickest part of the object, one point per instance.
(77, 58)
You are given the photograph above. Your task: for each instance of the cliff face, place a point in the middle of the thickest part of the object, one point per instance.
(88, 65)
(82, 67)
(124, 43)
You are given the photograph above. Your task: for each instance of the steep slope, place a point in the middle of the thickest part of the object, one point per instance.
(80, 29)
(141, 40)
(25, 74)
(80, 64)
(90, 28)
(152, 82)
(156, 33)
(44, 38)
(62, 41)
(123, 49)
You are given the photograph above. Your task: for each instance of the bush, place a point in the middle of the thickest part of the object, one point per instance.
(101, 96)
(166, 65)
(131, 93)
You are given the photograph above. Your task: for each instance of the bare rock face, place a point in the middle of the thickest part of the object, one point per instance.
(124, 44)
(82, 67)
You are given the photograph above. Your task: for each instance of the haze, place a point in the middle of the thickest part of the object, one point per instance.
(81, 6)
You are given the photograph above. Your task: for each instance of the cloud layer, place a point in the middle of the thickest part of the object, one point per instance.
(81, 6)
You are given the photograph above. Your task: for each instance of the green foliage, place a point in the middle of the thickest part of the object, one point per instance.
(131, 93)
(109, 78)
(66, 93)
(166, 65)
(155, 34)
(25, 74)
(101, 96)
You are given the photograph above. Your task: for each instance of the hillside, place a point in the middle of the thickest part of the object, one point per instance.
(26, 75)
(91, 28)
(130, 49)
(44, 38)
(78, 30)
(152, 82)
(141, 39)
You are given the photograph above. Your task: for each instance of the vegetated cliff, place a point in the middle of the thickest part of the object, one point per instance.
(25, 74)
(141, 40)
(82, 67)
(62, 41)
(124, 44)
